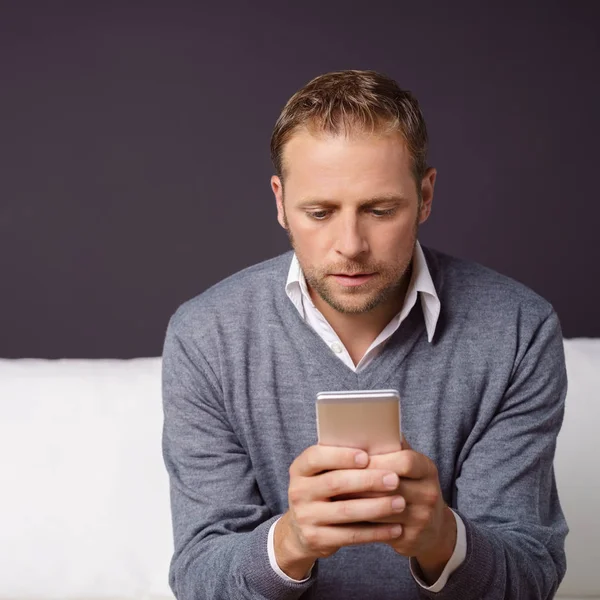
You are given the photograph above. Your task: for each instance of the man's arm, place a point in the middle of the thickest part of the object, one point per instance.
(220, 521)
(506, 490)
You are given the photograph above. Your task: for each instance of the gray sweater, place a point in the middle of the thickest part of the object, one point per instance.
(484, 400)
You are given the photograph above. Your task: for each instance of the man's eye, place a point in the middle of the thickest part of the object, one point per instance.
(319, 215)
(383, 213)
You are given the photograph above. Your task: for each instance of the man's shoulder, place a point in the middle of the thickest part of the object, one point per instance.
(250, 289)
(470, 286)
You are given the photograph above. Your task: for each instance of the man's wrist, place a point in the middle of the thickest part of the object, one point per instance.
(290, 559)
(433, 562)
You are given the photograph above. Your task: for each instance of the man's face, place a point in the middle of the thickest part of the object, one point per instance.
(351, 210)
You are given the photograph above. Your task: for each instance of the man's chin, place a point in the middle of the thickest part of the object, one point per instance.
(352, 303)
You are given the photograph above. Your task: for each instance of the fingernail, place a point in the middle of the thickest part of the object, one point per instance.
(396, 531)
(398, 504)
(361, 459)
(390, 480)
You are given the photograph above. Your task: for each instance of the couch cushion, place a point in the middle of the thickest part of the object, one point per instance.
(577, 470)
(85, 507)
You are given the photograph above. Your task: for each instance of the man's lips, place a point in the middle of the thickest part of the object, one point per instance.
(352, 280)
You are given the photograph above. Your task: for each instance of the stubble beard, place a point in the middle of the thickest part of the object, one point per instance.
(391, 288)
(389, 281)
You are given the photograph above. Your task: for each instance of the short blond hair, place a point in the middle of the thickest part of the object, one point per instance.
(346, 102)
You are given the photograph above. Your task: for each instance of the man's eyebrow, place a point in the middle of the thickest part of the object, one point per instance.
(386, 199)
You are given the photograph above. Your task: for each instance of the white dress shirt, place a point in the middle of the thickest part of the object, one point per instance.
(420, 282)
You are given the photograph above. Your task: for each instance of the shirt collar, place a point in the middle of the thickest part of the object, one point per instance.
(420, 281)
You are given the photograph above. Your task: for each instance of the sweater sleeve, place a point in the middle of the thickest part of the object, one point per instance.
(506, 491)
(220, 521)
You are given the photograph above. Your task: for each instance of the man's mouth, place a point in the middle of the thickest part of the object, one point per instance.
(352, 280)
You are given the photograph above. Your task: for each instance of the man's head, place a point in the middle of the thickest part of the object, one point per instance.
(352, 185)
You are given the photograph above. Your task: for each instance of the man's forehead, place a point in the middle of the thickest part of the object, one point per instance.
(306, 135)
(314, 154)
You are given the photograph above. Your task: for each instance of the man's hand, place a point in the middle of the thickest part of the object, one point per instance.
(429, 527)
(316, 525)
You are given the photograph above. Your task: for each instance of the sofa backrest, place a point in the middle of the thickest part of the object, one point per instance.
(84, 506)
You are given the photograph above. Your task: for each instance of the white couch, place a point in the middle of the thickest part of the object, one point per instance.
(84, 506)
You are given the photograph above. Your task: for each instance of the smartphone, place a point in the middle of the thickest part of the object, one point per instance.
(364, 419)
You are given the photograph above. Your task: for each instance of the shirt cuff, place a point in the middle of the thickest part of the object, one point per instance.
(457, 558)
(273, 560)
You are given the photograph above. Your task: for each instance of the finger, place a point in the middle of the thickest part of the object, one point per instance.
(319, 458)
(406, 463)
(360, 510)
(337, 536)
(419, 492)
(352, 481)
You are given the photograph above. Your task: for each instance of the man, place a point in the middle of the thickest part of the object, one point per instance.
(359, 304)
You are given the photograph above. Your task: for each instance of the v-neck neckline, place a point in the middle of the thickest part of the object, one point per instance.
(324, 364)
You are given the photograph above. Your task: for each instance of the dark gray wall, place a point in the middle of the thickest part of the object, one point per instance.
(135, 162)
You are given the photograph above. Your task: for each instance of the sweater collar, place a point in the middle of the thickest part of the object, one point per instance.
(421, 285)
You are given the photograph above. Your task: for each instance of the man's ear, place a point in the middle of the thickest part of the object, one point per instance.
(427, 185)
(277, 187)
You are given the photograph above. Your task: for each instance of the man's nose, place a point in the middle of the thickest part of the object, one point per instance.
(350, 239)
